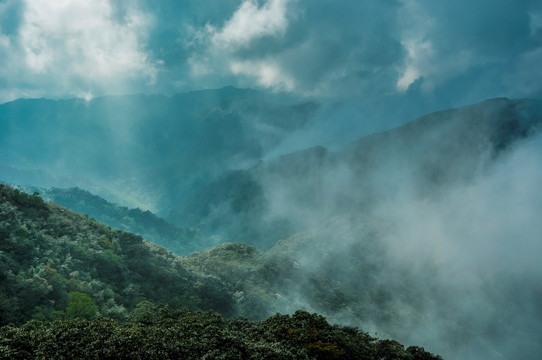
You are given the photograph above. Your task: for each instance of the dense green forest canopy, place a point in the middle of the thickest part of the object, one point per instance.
(74, 288)
(162, 333)
(136, 221)
(48, 252)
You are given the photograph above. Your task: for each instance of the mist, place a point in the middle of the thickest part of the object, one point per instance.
(479, 243)
(437, 247)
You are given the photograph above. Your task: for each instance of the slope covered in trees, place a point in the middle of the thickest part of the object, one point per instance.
(48, 253)
(160, 333)
(136, 221)
(89, 292)
(385, 234)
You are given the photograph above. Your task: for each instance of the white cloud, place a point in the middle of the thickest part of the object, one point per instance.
(418, 54)
(68, 46)
(217, 48)
(526, 77)
(267, 73)
(4, 41)
(84, 33)
(315, 48)
(535, 23)
(251, 22)
(428, 57)
(496, 215)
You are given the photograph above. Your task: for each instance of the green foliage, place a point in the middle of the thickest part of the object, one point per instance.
(105, 243)
(143, 310)
(163, 333)
(47, 251)
(144, 223)
(64, 269)
(80, 305)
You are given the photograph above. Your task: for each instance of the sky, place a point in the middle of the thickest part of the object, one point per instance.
(420, 53)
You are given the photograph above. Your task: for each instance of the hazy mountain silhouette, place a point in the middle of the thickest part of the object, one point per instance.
(146, 151)
(268, 201)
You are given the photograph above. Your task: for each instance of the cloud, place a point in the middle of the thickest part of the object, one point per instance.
(309, 48)
(220, 49)
(524, 76)
(445, 43)
(66, 47)
(535, 23)
(267, 73)
(461, 264)
(84, 32)
(405, 53)
(376, 52)
(418, 52)
(423, 57)
(251, 22)
(481, 241)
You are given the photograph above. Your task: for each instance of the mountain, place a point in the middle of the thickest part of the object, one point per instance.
(142, 151)
(275, 199)
(48, 252)
(415, 232)
(62, 269)
(144, 223)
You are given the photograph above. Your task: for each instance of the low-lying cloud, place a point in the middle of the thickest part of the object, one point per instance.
(447, 262)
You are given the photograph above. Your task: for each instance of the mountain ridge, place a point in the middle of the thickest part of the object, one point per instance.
(423, 156)
(153, 150)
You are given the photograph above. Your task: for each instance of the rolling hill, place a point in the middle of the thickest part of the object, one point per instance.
(136, 221)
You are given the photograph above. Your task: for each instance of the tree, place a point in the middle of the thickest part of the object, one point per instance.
(80, 305)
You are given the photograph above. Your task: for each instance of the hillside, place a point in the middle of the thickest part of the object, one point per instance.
(136, 221)
(165, 334)
(274, 199)
(62, 270)
(48, 252)
(412, 232)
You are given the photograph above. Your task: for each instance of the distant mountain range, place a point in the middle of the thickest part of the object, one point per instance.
(142, 151)
(274, 199)
(178, 154)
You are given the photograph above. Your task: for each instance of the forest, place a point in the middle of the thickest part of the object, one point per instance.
(74, 288)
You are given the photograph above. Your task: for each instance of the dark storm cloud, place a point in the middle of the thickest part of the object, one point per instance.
(320, 47)
(11, 13)
(381, 49)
